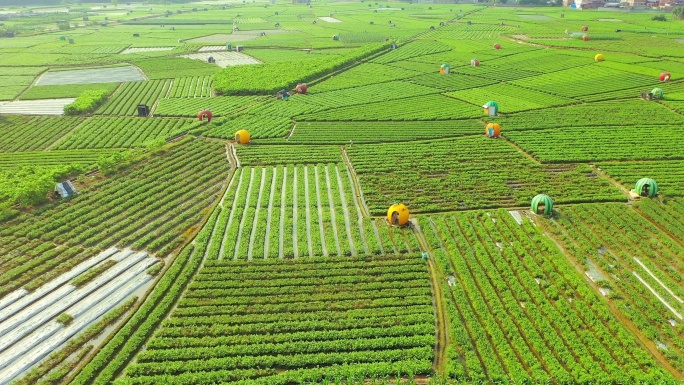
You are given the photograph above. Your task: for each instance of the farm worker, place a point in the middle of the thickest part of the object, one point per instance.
(350, 142)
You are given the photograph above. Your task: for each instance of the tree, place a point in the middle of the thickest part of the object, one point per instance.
(115, 3)
(678, 13)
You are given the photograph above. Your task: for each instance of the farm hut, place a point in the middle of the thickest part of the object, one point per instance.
(497, 46)
(646, 187)
(301, 88)
(143, 110)
(586, 38)
(491, 108)
(283, 95)
(599, 57)
(658, 93)
(444, 69)
(474, 62)
(206, 113)
(585, 28)
(398, 215)
(211, 59)
(493, 130)
(229, 47)
(542, 204)
(664, 77)
(242, 137)
(65, 189)
(336, 37)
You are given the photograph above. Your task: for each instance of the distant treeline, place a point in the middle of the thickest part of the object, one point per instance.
(76, 2)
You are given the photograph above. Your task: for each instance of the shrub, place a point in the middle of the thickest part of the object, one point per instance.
(87, 102)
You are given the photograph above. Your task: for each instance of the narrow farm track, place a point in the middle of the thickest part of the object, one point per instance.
(270, 210)
(359, 215)
(320, 213)
(256, 215)
(244, 214)
(345, 210)
(308, 210)
(358, 193)
(295, 244)
(230, 218)
(644, 341)
(281, 251)
(441, 321)
(332, 211)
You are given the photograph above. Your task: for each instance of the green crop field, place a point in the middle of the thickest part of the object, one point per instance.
(300, 193)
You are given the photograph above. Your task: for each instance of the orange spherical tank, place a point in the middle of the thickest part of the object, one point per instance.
(398, 215)
(493, 130)
(242, 137)
(497, 46)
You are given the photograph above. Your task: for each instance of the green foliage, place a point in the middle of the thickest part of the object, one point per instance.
(271, 77)
(64, 318)
(678, 13)
(65, 91)
(30, 185)
(87, 102)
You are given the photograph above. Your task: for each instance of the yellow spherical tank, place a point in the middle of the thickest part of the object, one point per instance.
(599, 57)
(398, 215)
(242, 137)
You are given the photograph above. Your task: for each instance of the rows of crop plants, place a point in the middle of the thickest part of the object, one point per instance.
(600, 114)
(271, 77)
(281, 322)
(584, 144)
(429, 107)
(638, 267)
(520, 312)
(588, 80)
(273, 155)
(259, 126)
(511, 98)
(496, 73)
(363, 95)
(219, 106)
(668, 174)
(56, 91)
(149, 206)
(192, 87)
(465, 173)
(19, 132)
(83, 158)
(364, 74)
(388, 131)
(452, 83)
(666, 213)
(106, 132)
(413, 49)
(130, 95)
(296, 211)
(14, 80)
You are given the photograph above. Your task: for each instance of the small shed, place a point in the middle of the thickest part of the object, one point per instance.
(242, 137)
(542, 204)
(646, 187)
(143, 110)
(474, 62)
(586, 38)
(336, 37)
(497, 46)
(205, 113)
(493, 130)
(491, 108)
(398, 215)
(658, 93)
(211, 59)
(599, 57)
(445, 69)
(301, 88)
(65, 189)
(664, 76)
(283, 94)
(585, 28)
